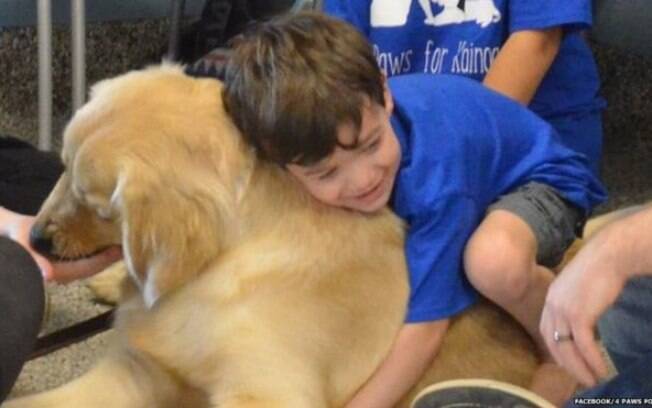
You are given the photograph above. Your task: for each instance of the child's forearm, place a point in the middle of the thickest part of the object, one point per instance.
(522, 63)
(412, 353)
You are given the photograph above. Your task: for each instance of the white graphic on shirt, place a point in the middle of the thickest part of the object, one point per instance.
(483, 12)
(451, 14)
(467, 59)
(390, 13)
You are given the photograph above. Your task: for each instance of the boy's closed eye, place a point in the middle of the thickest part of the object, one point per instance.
(327, 174)
(369, 147)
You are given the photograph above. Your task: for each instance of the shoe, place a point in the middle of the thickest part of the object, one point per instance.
(477, 393)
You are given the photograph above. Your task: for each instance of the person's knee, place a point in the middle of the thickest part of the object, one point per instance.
(21, 302)
(499, 264)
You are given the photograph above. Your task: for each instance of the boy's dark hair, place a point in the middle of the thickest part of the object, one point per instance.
(292, 81)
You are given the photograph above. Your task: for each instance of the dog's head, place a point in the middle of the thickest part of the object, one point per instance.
(152, 163)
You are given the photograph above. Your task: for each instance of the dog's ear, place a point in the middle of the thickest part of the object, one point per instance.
(171, 231)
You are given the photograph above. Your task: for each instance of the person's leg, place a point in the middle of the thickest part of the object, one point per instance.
(625, 330)
(499, 261)
(507, 260)
(21, 308)
(26, 175)
(633, 382)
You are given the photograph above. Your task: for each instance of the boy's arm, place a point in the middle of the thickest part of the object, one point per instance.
(522, 63)
(412, 353)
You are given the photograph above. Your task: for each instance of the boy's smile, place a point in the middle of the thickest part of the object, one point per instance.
(361, 178)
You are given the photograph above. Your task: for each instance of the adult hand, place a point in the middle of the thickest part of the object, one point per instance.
(18, 226)
(582, 292)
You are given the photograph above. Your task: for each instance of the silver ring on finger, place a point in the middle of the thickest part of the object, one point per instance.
(558, 337)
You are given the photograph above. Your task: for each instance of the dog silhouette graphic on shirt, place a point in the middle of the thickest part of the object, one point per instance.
(394, 13)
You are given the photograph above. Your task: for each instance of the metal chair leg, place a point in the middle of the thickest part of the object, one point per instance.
(78, 29)
(44, 29)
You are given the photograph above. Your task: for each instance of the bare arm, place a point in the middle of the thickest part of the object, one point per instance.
(522, 63)
(589, 285)
(412, 353)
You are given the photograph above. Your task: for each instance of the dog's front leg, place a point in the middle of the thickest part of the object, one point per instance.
(122, 379)
(107, 286)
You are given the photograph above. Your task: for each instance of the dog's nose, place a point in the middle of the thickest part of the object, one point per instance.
(39, 241)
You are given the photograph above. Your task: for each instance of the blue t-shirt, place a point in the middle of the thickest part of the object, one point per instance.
(463, 146)
(464, 37)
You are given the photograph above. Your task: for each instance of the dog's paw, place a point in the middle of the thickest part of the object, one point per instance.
(106, 286)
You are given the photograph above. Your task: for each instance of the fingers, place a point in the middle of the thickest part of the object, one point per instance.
(572, 360)
(570, 353)
(590, 351)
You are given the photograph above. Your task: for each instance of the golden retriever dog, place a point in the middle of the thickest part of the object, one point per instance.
(243, 290)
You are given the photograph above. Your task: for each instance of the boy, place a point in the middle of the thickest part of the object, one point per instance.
(307, 93)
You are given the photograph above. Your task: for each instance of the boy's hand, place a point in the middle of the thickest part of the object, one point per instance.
(415, 346)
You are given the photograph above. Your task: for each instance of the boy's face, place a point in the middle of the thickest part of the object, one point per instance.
(362, 178)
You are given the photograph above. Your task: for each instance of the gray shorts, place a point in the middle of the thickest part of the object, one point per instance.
(555, 222)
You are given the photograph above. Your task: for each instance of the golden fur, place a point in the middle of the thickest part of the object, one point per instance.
(243, 291)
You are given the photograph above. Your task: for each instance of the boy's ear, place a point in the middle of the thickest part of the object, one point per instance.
(389, 101)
